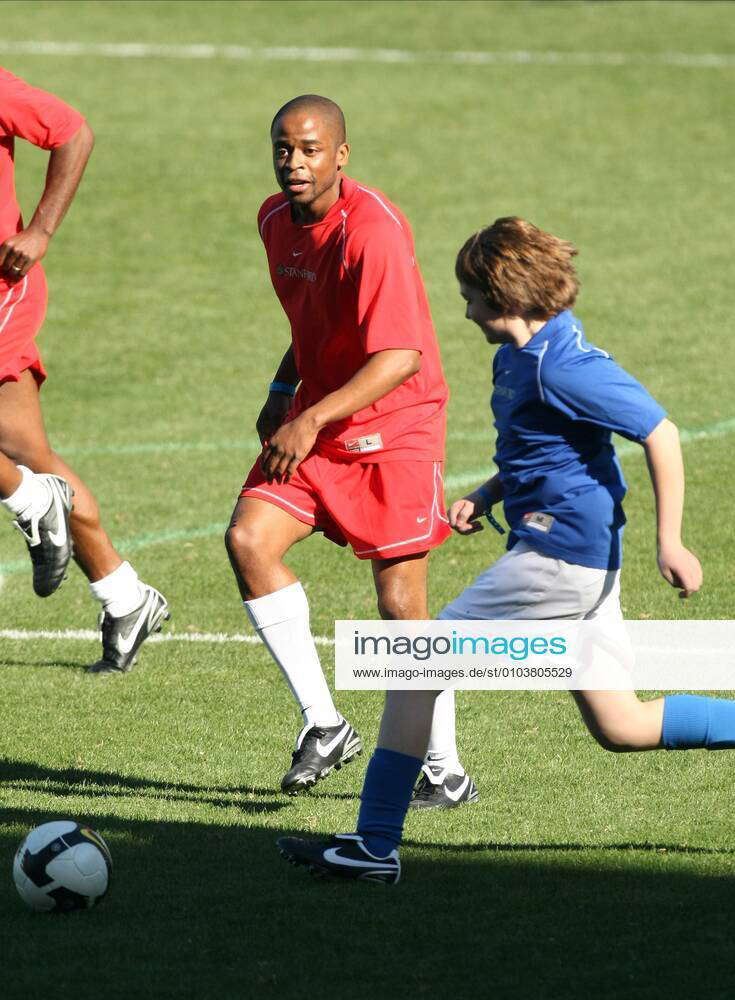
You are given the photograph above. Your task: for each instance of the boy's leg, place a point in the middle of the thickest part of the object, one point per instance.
(620, 722)
(259, 535)
(372, 853)
(131, 607)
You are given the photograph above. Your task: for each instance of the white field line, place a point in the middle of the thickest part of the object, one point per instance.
(89, 635)
(247, 53)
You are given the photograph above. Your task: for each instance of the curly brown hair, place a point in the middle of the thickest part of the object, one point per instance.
(519, 269)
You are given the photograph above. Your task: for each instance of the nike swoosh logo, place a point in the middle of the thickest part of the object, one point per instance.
(58, 537)
(324, 749)
(456, 795)
(333, 855)
(420, 520)
(296, 253)
(125, 645)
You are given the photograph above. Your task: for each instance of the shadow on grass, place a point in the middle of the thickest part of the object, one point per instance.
(71, 664)
(109, 784)
(211, 911)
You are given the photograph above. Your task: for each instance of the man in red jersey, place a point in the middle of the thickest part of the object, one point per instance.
(35, 484)
(356, 450)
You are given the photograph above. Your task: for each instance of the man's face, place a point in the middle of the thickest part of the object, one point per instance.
(493, 324)
(307, 158)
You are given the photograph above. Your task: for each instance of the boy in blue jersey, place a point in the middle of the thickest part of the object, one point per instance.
(556, 401)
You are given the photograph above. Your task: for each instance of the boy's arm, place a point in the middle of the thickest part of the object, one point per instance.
(678, 565)
(463, 513)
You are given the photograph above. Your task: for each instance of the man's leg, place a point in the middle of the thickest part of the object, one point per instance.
(131, 607)
(259, 535)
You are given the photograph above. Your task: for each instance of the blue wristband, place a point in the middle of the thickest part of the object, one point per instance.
(284, 387)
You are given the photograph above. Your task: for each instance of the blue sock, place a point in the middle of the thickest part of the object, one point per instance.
(389, 782)
(693, 721)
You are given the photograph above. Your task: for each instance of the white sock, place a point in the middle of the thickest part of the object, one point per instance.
(442, 749)
(281, 619)
(120, 592)
(31, 497)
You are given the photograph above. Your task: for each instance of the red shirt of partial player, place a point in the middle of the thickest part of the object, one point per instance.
(351, 287)
(44, 120)
(31, 114)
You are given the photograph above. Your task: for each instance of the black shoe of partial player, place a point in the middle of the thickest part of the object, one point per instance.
(438, 788)
(122, 637)
(343, 856)
(319, 750)
(47, 537)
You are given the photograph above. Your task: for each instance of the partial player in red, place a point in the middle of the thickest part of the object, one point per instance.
(36, 485)
(354, 423)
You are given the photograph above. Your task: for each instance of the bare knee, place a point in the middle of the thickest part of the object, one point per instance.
(396, 603)
(619, 721)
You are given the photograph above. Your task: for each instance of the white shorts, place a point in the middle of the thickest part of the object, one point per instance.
(525, 583)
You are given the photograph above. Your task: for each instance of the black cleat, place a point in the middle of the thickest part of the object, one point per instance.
(439, 788)
(319, 750)
(343, 856)
(122, 637)
(47, 537)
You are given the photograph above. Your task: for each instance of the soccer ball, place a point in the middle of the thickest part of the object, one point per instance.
(62, 866)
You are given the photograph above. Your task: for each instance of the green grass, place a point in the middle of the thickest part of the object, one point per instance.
(578, 874)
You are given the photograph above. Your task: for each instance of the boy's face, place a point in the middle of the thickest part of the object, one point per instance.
(497, 328)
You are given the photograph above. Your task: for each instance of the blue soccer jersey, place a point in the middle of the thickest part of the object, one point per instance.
(556, 402)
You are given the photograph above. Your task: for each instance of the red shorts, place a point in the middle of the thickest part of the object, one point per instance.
(384, 510)
(22, 311)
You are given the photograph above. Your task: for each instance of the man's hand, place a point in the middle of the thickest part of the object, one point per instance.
(680, 568)
(463, 514)
(19, 253)
(288, 447)
(272, 415)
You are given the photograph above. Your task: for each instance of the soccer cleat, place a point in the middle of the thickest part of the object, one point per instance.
(319, 750)
(439, 788)
(47, 536)
(342, 856)
(122, 637)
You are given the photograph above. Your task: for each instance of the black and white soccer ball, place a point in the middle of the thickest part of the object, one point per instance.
(62, 866)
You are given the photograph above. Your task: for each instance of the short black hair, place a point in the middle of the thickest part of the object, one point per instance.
(326, 109)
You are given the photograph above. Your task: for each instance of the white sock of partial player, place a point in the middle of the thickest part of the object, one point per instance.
(31, 497)
(120, 592)
(281, 619)
(442, 749)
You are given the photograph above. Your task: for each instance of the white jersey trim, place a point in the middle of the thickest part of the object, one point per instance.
(382, 204)
(272, 212)
(586, 350)
(538, 371)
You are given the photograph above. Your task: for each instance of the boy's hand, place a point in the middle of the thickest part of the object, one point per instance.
(463, 514)
(680, 568)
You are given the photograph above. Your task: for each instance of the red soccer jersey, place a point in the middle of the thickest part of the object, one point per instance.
(34, 115)
(351, 287)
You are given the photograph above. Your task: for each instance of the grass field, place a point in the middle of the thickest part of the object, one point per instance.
(578, 874)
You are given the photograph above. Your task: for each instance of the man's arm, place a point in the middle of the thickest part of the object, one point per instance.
(66, 165)
(278, 403)
(381, 373)
(463, 514)
(678, 565)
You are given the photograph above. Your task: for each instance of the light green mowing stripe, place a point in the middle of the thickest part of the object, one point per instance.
(455, 482)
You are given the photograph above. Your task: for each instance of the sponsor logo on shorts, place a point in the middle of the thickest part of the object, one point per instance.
(371, 442)
(287, 271)
(539, 521)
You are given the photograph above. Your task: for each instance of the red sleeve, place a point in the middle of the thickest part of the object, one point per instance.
(381, 262)
(34, 115)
